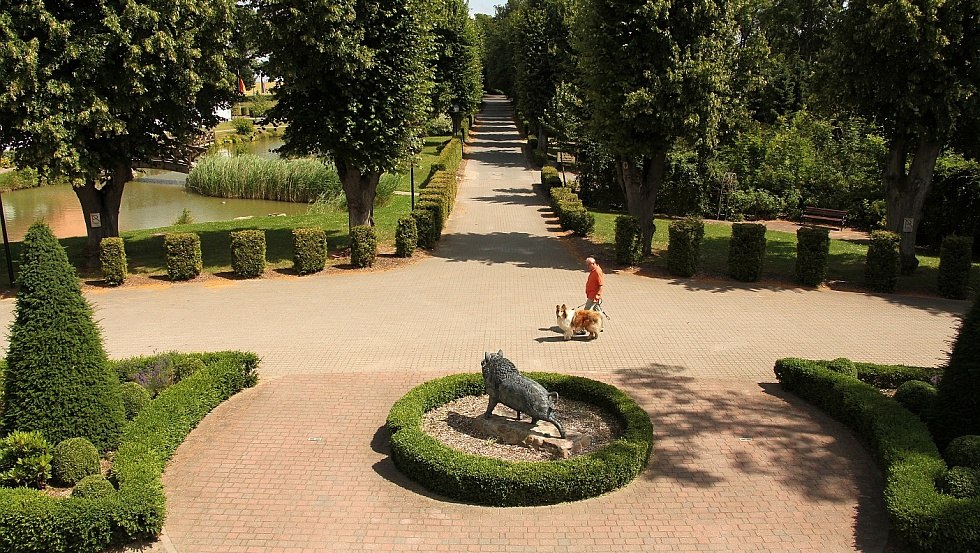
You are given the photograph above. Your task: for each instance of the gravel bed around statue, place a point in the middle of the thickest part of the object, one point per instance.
(452, 424)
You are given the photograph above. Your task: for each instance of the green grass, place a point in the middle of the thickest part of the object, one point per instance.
(430, 154)
(845, 266)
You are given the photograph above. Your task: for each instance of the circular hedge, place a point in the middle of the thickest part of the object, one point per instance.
(487, 481)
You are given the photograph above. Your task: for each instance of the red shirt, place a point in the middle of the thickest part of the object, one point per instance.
(596, 280)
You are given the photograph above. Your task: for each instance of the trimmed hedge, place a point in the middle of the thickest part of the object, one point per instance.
(72, 460)
(958, 407)
(684, 246)
(747, 251)
(425, 224)
(309, 250)
(918, 397)
(487, 481)
(112, 254)
(406, 237)
(812, 252)
(629, 250)
(571, 213)
(883, 261)
(31, 521)
(961, 482)
(183, 253)
(955, 262)
(964, 452)
(248, 253)
(363, 246)
(134, 398)
(904, 450)
(93, 486)
(550, 177)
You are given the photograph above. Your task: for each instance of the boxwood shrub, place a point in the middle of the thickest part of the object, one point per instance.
(903, 448)
(571, 213)
(955, 261)
(425, 224)
(309, 250)
(684, 246)
(406, 237)
(72, 460)
(482, 480)
(363, 246)
(918, 397)
(964, 452)
(883, 261)
(248, 253)
(747, 251)
(629, 250)
(812, 251)
(31, 521)
(550, 177)
(183, 253)
(112, 254)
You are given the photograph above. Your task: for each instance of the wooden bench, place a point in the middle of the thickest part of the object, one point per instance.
(824, 216)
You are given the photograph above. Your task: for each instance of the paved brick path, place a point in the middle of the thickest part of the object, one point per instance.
(300, 463)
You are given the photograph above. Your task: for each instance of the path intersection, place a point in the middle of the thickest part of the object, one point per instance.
(300, 462)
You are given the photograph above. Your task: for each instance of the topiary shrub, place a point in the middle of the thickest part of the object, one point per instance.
(629, 250)
(435, 207)
(93, 486)
(134, 398)
(955, 262)
(363, 246)
(186, 365)
(918, 397)
(747, 251)
(812, 252)
(843, 365)
(25, 460)
(72, 460)
(960, 482)
(550, 177)
(406, 237)
(424, 222)
(684, 246)
(309, 250)
(112, 254)
(883, 261)
(183, 253)
(58, 381)
(248, 253)
(958, 405)
(964, 452)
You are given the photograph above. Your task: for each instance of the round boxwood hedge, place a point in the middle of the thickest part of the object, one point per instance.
(486, 481)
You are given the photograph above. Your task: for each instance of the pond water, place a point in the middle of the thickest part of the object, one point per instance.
(155, 199)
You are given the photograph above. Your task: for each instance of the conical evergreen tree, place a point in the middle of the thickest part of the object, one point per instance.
(958, 401)
(58, 380)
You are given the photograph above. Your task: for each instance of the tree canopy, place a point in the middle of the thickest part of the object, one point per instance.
(458, 78)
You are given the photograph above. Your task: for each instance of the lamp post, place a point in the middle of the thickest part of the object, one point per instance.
(455, 119)
(6, 244)
(412, 172)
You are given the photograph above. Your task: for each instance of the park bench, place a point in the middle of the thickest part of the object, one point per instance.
(824, 216)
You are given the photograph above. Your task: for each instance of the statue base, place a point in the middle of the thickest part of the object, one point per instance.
(542, 436)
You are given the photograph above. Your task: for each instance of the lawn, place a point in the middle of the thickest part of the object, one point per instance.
(430, 154)
(845, 266)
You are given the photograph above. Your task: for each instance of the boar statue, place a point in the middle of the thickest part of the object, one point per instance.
(506, 385)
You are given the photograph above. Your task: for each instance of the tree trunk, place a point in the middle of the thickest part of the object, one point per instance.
(640, 182)
(100, 207)
(359, 189)
(906, 187)
(542, 138)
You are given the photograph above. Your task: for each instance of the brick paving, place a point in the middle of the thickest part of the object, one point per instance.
(299, 463)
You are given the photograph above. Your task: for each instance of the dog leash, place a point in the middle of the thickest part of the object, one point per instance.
(600, 310)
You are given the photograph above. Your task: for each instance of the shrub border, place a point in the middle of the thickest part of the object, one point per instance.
(486, 481)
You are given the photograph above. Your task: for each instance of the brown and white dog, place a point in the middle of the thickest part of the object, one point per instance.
(571, 321)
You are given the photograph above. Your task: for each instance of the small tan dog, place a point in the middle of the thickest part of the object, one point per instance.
(571, 321)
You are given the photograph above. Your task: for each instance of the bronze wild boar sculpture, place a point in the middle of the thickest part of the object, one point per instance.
(508, 386)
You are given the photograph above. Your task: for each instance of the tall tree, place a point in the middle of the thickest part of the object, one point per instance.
(458, 75)
(914, 68)
(653, 72)
(89, 88)
(353, 85)
(498, 49)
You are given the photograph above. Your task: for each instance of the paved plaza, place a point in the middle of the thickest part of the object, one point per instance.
(300, 462)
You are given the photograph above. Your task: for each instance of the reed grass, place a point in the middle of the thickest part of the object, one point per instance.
(254, 178)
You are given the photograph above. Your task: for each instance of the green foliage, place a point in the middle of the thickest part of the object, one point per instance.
(955, 262)
(183, 253)
(571, 213)
(843, 366)
(425, 223)
(244, 127)
(72, 460)
(550, 177)
(918, 397)
(457, 66)
(964, 451)
(489, 481)
(113, 257)
(248, 253)
(134, 398)
(883, 262)
(629, 251)
(25, 460)
(252, 177)
(754, 204)
(812, 251)
(543, 55)
(901, 444)
(406, 237)
(960, 482)
(953, 204)
(309, 250)
(684, 246)
(185, 217)
(747, 251)
(363, 246)
(58, 380)
(958, 412)
(93, 486)
(893, 376)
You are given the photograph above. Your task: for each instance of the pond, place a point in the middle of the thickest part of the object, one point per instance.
(155, 199)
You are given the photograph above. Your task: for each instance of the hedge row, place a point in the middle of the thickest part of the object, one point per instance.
(248, 253)
(903, 448)
(812, 252)
(363, 246)
(955, 262)
(550, 177)
(684, 246)
(571, 213)
(746, 251)
(112, 254)
(629, 249)
(487, 481)
(31, 521)
(883, 261)
(437, 198)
